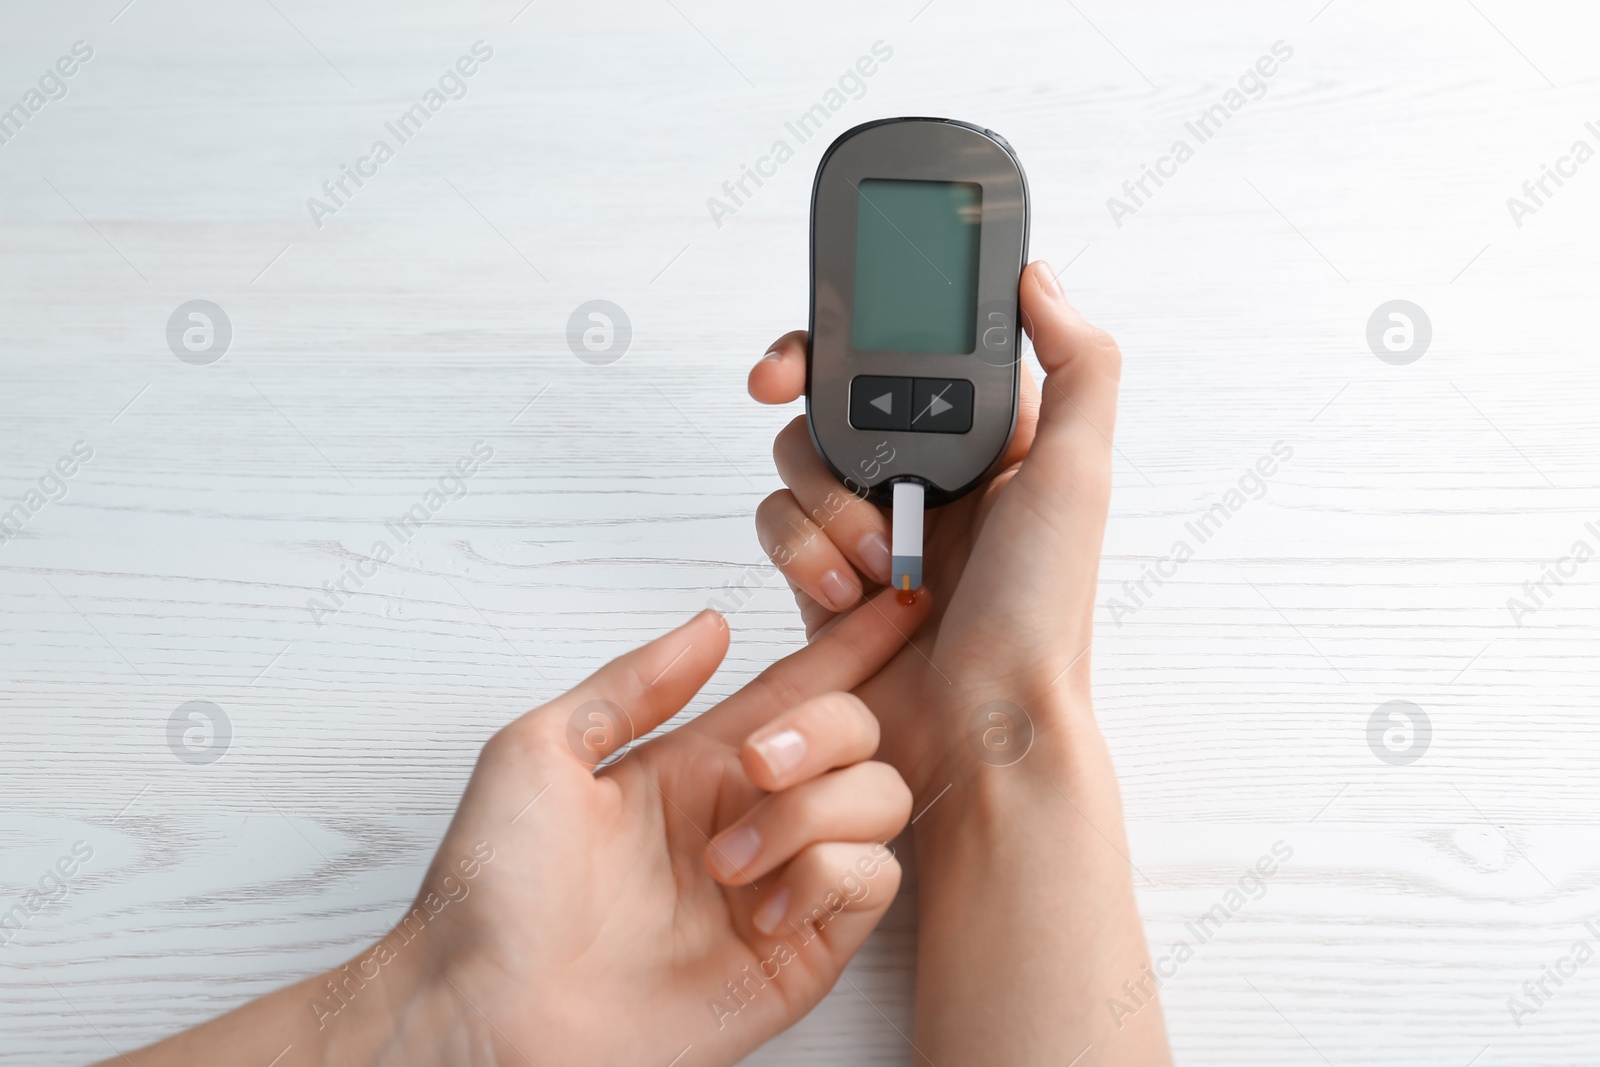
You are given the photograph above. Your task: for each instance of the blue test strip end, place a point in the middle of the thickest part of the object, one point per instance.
(907, 572)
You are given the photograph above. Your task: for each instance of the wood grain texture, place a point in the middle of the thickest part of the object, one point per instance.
(369, 354)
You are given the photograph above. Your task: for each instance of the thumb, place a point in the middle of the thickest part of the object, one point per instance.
(1078, 399)
(638, 691)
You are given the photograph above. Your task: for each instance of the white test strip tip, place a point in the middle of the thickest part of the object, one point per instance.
(905, 551)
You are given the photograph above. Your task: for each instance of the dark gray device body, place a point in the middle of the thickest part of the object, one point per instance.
(937, 405)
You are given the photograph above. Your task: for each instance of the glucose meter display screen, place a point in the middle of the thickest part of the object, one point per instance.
(916, 266)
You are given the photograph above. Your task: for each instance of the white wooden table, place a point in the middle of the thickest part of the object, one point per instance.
(429, 311)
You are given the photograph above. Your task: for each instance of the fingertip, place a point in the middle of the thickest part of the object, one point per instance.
(779, 377)
(717, 631)
(913, 604)
(891, 615)
(1044, 314)
(686, 655)
(1059, 332)
(1044, 277)
(707, 619)
(763, 385)
(775, 386)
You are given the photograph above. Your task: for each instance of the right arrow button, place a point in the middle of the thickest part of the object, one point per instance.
(941, 405)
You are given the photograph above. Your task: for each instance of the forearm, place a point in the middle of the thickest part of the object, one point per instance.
(1028, 924)
(339, 1017)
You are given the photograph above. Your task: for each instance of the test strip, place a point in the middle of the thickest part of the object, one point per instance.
(906, 548)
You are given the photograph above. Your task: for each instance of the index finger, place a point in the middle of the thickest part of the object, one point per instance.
(851, 651)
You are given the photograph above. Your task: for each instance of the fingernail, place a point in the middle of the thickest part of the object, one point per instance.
(874, 553)
(1049, 282)
(772, 354)
(838, 592)
(782, 751)
(771, 912)
(734, 849)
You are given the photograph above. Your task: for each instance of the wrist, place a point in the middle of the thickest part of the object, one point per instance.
(386, 1007)
(1030, 728)
(1006, 757)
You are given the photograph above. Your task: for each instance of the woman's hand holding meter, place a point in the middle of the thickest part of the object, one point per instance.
(1011, 567)
(1028, 928)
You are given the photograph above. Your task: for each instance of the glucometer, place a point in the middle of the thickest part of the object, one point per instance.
(919, 232)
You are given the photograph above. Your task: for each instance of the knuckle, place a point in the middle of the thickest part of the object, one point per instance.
(799, 811)
(779, 686)
(890, 787)
(875, 866)
(847, 718)
(785, 443)
(811, 865)
(1106, 353)
(835, 503)
(881, 861)
(889, 871)
(794, 456)
(773, 506)
(782, 530)
(494, 749)
(514, 743)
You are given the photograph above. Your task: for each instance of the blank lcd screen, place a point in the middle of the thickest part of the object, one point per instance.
(916, 266)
